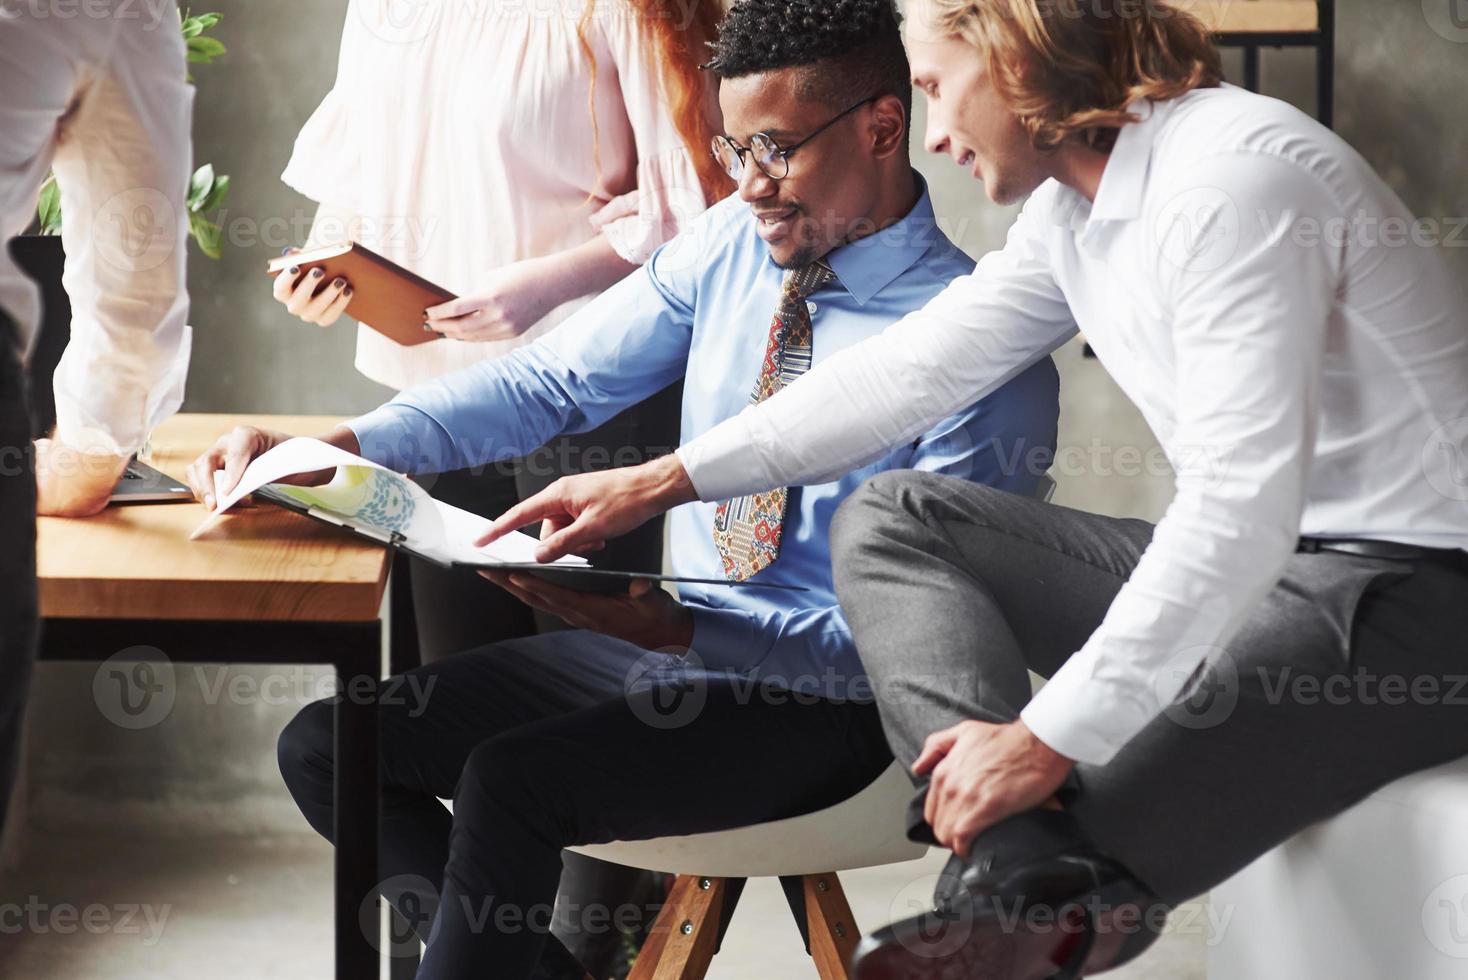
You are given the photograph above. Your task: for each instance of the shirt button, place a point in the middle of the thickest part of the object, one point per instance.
(810, 307)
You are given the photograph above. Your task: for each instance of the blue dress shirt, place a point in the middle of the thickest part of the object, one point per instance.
(700, 309)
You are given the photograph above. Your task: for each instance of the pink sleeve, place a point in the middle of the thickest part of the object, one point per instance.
(326, 163)
(668, 195)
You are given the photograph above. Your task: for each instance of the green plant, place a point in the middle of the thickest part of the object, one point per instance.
(207, 189)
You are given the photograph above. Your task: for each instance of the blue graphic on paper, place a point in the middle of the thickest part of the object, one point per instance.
(363, 495)
(390, 507)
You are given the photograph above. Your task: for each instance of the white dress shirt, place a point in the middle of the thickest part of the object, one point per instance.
(1271, 307)
(101, 98)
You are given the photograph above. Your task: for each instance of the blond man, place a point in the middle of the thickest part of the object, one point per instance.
(1286, 640)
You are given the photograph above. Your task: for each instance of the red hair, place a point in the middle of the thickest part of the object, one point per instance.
(677, 42)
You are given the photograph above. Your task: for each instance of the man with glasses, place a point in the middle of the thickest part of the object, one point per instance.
(557, 740)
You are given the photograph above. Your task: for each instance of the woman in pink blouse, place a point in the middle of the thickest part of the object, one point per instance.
(525, 155)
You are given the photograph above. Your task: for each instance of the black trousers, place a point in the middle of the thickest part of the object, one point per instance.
(456, 612)
(17, 556)
(567, 738)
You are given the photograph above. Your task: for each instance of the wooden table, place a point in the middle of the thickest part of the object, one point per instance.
(262, 587)
(1255, 16)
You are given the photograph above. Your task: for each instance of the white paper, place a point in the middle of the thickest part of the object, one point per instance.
(364, 493)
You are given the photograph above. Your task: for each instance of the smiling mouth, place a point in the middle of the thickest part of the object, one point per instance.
(772, 218)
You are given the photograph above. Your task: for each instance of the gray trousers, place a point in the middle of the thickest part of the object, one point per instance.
(1351, 673)
(17, 556)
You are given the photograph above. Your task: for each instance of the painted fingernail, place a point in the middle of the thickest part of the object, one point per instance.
(427, 327)
(318, 273)
(295, 269)
(338, 282)
(347, 291)
(286, 250)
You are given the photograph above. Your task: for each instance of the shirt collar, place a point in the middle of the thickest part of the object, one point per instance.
(1119, 197)
(867, 265)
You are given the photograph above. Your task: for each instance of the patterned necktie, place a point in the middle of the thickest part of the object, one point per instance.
(747, 530)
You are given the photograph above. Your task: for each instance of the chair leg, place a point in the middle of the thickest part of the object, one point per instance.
(830, 926)
(682, 941)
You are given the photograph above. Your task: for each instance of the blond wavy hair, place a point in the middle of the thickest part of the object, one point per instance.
(1069, 68)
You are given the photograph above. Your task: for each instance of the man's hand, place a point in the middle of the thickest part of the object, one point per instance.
(646, 615)
(983, 773)
(582, 513)
(71, 483)
(236, 450)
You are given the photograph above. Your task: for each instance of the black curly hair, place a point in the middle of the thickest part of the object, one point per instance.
(851, 48)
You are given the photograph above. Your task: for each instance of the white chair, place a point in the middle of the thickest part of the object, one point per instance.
(865, 831)
(1378, 891)
(805, 853)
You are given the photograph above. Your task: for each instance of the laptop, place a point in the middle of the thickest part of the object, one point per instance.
(142, 484)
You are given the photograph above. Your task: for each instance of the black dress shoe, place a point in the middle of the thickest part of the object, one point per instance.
(1033, 901)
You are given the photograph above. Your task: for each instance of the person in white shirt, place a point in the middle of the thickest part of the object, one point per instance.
(102, 100)
(1286, 640)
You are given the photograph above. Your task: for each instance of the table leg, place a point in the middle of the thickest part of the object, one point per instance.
(357, 956)
(403, 656)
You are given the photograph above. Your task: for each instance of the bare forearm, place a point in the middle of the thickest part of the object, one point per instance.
(342, 438)
(585, 270)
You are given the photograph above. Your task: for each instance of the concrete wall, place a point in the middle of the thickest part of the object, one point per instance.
(1399, 99)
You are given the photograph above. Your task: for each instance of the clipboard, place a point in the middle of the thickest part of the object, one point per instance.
(580, 578)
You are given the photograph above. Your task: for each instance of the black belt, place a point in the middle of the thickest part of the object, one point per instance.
(1391, 550)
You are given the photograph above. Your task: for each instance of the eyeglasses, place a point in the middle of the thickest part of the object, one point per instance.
(772, 159)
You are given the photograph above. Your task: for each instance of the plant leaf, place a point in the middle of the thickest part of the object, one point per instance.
(199, 186)
(205, 49)
(48, 209)
(216, 194)
(209, 235)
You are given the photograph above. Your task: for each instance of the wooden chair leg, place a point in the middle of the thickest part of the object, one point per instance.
(829, 923)
(682, 941)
